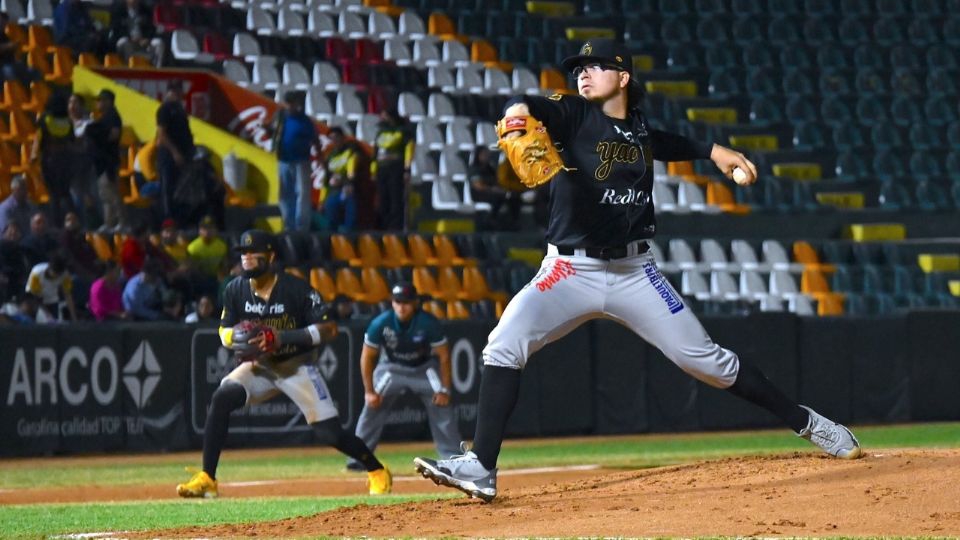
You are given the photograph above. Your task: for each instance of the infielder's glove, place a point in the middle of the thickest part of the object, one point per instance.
(243, 332)
(532, 154)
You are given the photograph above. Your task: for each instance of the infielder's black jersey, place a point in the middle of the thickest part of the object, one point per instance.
(292, 304)
(606, 200)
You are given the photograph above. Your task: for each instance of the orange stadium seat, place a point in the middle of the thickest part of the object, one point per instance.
(321, 281)
(447, 253)
(348, 284)
(421, 254)
(456, 311)
(369, 251)
(87, 59)
(475, 286)
(448, 285)
(394, 254)
(39, 39)
(424, 281)
(39, 94)
(436, 309)
(294, 271)
(805, 254)
(14, 96)
(343, 250)
(62, 64)
(113, 60)
(374, 285)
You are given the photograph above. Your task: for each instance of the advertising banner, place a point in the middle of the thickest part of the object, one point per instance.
(32, 386)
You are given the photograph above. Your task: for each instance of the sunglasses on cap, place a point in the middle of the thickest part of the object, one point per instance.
(593, 68)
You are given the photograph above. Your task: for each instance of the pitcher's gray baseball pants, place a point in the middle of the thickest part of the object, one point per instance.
(570, 290)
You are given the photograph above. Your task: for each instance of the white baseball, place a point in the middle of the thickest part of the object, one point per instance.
(739, 176)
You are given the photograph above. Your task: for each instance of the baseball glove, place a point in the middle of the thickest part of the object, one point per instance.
(243, 332)
(532, 154)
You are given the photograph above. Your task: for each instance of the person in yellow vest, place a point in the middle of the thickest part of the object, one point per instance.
(145, 170)
(338, 209)
(394, 154)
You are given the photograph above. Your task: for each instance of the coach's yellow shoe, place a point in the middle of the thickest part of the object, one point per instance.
(200, 485)
(380, 481)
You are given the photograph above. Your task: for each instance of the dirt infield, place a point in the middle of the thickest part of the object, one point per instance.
(889, 493)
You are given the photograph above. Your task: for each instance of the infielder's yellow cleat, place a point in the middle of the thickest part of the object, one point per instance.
(380, 481)
(200, 485)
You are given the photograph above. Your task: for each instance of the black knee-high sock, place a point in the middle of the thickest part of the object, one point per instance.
(499, 387)
(753, 386)
(330, 432)
(226, 399)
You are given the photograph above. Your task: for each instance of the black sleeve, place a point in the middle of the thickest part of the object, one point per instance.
(315, 310)
(673, 147)
(561, 114)
(163, 116)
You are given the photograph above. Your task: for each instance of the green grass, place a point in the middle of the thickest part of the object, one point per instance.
(26, 521)
(618, 452)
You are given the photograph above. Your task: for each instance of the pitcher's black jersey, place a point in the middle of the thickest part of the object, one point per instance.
(292, 304)
(605, 198)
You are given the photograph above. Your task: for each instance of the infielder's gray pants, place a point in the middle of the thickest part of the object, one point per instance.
(390, 381)
(569, 291)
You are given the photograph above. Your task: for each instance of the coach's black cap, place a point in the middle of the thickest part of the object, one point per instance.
(256, 241)
(404, 291)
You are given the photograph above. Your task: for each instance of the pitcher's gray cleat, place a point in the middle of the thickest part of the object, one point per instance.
(835, 439)
(463, 472)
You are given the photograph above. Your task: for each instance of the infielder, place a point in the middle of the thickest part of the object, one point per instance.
(598, 264)
(274, 322)
(416, 359)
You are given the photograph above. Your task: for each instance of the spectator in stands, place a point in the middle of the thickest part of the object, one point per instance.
(39, 241)
(485, 187)
(106, 295)
(132, 32)
(25, 308)
(338, 211)
(11, 68)
(103, 135)
(55, 147)
(172, 302)
(74, 27)
(83, 185)
(294, 136)
(205, 311)
(345, 309)
(143, 293)
(174, 147)
(137, 248)
(17, 208)
(145, 170)
(208, 251)
(81, 258)
(172, 242)
(51, 282)
(394, 154)
(14, 265)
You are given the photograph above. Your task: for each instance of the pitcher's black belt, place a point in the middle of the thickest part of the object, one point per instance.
(606, 253)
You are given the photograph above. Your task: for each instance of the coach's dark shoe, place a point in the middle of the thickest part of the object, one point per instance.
(463, 472)
(833, 438)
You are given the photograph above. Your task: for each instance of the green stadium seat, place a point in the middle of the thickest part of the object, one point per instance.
(906, 56)
(808, 136)
(794, 54)
(798, 82)
(856, 7)
(931, 197)
(783, 30)
(941, 83)
(922, 31)
(869, 55)
(905, 84)
(819, 29)
(939, 111)
(853, 31)
(848, 137)
(872, 111)
(888, 31)
(941, 56)
(893, 196)
(797, 109)
(851, 166)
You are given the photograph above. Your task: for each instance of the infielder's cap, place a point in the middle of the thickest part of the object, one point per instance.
(404, 291)
(610, 53)
(255, 241)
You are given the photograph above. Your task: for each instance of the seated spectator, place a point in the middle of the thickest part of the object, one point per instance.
(208, 251)
(172, 242)
(17, 208)
(205, 311)
(484, 187)
(40, 240)
(145, 170)
(345, 309)
(74, 27)
(106, 295)
(81, 256)
(26, 309)
(172, 303)
(132, 32)
(143, 293)
(136, 248)
(14, 266)
(51, 282)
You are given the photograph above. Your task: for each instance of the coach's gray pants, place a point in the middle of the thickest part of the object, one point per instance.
(569, 291)
(391, 381)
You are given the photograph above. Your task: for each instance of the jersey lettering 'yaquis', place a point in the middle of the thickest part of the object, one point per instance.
(604, 198)
(408, 343)
(292, 304)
